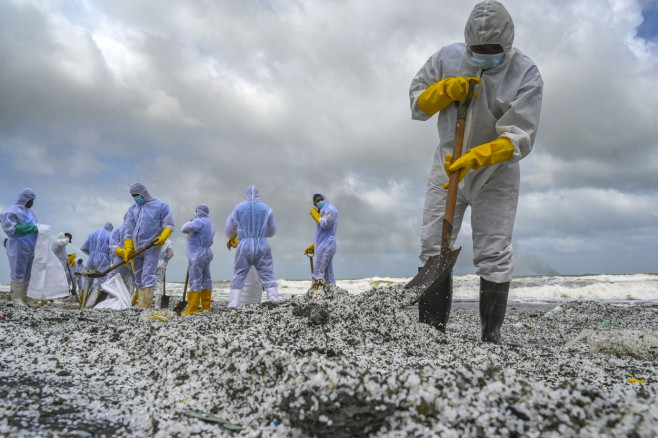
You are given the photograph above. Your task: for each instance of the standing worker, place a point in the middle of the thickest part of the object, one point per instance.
(59, 248)
(20, 226)
(200, 233)
(500, 130)
(79, 266)
(148, 221)
(253, 221)
(324, 248)
(116, 255)
(97, 247)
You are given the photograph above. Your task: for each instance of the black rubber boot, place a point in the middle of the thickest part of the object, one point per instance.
(434, 307)
(493, 304)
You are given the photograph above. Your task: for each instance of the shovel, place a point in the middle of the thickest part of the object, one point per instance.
(183, 304)
(439, 267)
(92, 273)
(74, 289)
(310, 259)
(164, 299)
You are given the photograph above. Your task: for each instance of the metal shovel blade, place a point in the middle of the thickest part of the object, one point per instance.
(91, 273)
(434, 272)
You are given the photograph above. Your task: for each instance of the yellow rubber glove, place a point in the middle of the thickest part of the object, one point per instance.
(119, 252)
(72, 259)
(439, 95)
(486, 154)
(160, 240)
(316, 214)
(232, 242)
(129, 250)
(310, 250)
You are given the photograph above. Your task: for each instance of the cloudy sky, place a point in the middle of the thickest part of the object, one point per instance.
(200, 99)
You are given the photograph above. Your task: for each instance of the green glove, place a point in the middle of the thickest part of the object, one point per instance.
(26, 229)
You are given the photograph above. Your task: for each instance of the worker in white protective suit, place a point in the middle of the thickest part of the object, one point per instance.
(326, 217)
(200, 233)
(116, 256)
(148, 220)
(501, 126)
(59, 248)
(20, 225)
(97, 247)
(166, 254)
(80, 279)
(251, 223)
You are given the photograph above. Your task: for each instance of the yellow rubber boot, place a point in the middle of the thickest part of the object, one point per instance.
(193, 299)
(206, 299)
(135, 297)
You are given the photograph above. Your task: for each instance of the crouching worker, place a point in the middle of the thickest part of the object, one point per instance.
(253, 221)
(148, 221)
(200, 233)
(97, 247)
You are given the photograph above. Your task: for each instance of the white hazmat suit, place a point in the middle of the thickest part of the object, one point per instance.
(97, 247)
(20, 245)
(508, 104)
(254, 222)
(325, 241)
(503, 116)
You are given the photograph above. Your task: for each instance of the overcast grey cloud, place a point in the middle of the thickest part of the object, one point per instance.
(198, 100)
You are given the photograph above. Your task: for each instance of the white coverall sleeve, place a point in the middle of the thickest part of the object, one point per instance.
(520, 122)
(429, 74)
(327, 220)
(85, 246)
(271, 225)
(231, 226)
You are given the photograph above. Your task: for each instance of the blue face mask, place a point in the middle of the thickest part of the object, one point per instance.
(139, 200)
(196, 215)
(486, 62)
(321, 205)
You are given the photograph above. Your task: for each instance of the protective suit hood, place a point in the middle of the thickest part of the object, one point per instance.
(140, 189)
(25, 196)
(326, 199)
(108, 226)
(252, 194)
(202, 210)
(490, 23)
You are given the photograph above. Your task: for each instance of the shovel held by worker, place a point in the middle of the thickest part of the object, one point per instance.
(310, 259)
(164, 299)
(74, 289)
(183, 303)
(439, 267)
(92, 273)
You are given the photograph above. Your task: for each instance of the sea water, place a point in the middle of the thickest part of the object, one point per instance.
(622, 289)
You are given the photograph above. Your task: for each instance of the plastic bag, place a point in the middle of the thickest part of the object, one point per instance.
(47, 280)
(119, 298)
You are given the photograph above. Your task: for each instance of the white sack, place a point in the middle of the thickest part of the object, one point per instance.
(48, 280)
(253, 288)
(119, 298)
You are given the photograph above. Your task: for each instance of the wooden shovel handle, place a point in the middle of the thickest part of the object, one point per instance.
(187, 279)
(451, 201)
(138, 252)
